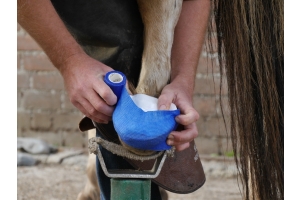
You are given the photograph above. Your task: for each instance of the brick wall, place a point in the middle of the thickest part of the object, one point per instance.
(44, 110)
(212, 137)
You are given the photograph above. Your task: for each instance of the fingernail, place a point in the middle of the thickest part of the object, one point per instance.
(169, 142)
(162, 107)
(170, 137)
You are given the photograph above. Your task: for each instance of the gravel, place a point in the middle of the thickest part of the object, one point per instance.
(64, 179)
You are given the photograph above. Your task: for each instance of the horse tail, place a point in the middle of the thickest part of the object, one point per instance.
(251, 54)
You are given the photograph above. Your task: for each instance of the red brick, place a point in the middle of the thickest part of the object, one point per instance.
(48, 81)
(23, 80)
(75, 139)
(224, 86)
(207, 65)
(67, 105)
(225, 146)
(23, 121)
(205, 106)
(215, 127)
(25, 42)
(41, 121)
(41, 100)
(207, 84)
(20, 133)
(225, 107)
(66, 121)
(19, 97)
(207, 145)
(18, 27)
(200, 126)
(51, 138)
(19, 61)
(38, 62)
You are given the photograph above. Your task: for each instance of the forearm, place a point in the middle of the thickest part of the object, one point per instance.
(40, 20)
(188, 40)
(82, 74)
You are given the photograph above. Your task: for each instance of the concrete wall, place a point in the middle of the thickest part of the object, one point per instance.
(44, 110)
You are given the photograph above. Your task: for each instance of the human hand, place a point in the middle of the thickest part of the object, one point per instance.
(83, 78)
(177, 94)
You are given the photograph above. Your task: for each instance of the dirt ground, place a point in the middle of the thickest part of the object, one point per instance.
(64, 182)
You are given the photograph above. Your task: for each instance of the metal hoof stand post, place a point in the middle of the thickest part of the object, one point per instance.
(131, 184)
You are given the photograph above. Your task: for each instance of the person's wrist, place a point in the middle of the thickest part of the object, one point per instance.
(71, 61)
(184, 84)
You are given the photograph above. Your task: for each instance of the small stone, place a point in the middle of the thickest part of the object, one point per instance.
(58, 157)
(41, 158)
(34, 146)
(74, 160)
(25, 159)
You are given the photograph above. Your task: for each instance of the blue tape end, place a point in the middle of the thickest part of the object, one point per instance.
(143, 130)
(116, 80)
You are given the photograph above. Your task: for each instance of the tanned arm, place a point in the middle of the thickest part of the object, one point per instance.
(188, 39)
(83, 76)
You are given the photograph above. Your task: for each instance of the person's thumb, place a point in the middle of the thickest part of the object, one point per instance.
(164, 101)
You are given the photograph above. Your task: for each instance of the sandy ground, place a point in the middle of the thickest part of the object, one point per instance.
(64, 182)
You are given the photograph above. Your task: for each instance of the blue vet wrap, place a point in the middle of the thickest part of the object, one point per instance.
(116, 81)
(143, 130)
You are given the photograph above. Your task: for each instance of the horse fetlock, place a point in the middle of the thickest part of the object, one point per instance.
(153, 83)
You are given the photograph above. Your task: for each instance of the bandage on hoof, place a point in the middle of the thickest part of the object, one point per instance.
(141, 127)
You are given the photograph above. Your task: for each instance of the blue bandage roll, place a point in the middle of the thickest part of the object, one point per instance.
(145, 130)
(137, 127)
(116, 81)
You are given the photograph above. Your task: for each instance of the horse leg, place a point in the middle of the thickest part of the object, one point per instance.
(91, 190)
(160, 18)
